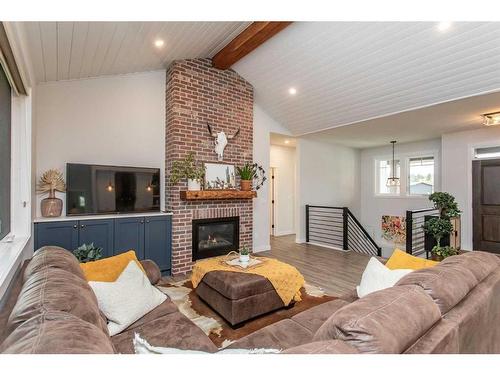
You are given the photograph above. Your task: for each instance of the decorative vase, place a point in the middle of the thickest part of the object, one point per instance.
(51, 206)
(244, 258)
(246, 185)
(194, 185)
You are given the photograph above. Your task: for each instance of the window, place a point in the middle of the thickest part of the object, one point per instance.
(421, 175)
(5, 155)
(384, 171)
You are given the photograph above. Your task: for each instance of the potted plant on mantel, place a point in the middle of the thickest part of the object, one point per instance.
(50, 182)
(188, 168)
(441, 226)
(250, 172)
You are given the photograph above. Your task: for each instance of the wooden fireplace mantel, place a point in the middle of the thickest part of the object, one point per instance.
(199, 195)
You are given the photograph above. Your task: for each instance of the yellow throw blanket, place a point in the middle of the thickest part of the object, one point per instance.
(286, 279)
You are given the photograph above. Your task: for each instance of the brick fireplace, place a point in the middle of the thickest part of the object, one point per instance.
(197, 93)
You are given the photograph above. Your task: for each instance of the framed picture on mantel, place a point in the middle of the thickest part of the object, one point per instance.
(219, 176)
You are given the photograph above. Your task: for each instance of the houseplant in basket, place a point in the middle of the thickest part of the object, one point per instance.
(50, 182)
(441, 226)
(250, 172)
(188, 168)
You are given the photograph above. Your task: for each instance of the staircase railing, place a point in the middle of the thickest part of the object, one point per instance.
(415, 235)
(337, 227)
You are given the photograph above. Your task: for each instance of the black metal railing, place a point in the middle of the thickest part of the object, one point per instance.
(415, 235)
(337, 227)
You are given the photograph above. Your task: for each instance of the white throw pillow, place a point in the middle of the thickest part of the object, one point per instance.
(141, 346)
(127, 299)
(377, 276)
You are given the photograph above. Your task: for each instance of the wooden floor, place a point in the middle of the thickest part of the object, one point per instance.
(336, 271)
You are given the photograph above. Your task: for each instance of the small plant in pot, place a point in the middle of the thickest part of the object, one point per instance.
(250, 172)
(88, 253)
(244, 255)
(188, 168)
(441, 226)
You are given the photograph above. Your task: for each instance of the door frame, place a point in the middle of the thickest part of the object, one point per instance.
(272, 173)
(467, 221)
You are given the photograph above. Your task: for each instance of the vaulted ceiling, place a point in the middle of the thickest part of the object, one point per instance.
(74, 50)
(344, 73)
(347, 72)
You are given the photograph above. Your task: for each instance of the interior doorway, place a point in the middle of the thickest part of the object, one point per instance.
(486, 205)
(282, 186)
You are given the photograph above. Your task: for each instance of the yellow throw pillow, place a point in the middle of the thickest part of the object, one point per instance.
(399, 259)
(108, 269)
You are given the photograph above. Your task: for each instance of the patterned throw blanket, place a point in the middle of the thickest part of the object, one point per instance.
(286, 279)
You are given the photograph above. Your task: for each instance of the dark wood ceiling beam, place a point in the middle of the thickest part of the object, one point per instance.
(248, 40)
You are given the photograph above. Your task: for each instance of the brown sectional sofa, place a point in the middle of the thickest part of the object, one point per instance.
(451, 308)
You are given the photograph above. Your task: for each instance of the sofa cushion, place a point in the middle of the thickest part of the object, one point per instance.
(280, 335)
(109, 269)
(171, 330)
(323, 347)
(53, 257)
(447, 283)
(313, 318)
(402, 260)
(53, 289)
(387, 321)
(237, 285)
(480, 263)
(54, 332)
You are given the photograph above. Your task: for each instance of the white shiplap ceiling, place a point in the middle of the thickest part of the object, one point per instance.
(348, 72)
(75, 50)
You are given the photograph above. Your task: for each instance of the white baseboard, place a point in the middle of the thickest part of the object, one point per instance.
(300, 240)
(327, 246)
(284, 233)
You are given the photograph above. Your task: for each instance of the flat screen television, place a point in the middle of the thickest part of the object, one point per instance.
(103, 189)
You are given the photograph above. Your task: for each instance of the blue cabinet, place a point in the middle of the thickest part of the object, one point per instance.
(58, 233)
(149, 236)
(98, 232)
(158, 241)
(129, 235)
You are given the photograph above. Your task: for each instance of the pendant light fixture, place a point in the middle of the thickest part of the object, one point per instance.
(393, 180)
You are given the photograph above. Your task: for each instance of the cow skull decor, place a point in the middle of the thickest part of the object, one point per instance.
(221, 140)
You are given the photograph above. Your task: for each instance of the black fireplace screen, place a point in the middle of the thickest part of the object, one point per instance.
(213, 237)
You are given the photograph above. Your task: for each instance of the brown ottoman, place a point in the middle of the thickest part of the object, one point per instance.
(238, 296)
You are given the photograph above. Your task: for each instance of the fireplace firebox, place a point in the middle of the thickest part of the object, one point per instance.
(217, 236)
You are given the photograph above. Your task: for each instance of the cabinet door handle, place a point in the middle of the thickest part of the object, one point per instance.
(142, 221)
(82, 226)
(75, 226)
(147, 221)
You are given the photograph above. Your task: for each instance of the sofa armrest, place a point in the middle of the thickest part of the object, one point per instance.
(323, 347)
(152, 271)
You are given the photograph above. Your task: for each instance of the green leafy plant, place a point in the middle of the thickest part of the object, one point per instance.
(444, 252)
(186, 168)
(252, 172)
(88, 253)
(244, 251)
(445, 203)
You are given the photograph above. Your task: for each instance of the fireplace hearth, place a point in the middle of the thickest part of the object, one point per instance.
(217, 236)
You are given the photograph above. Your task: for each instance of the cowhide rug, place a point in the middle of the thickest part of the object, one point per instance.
(216, 328)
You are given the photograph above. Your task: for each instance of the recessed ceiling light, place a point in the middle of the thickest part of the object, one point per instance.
(287, 141)
(159, 43)
(292, 90)
(443, 26)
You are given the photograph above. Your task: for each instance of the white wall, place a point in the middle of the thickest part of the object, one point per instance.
(263, 125)
(283, 160)
(373, 207)
(116, 120)
(327, 174)
(457, 150)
